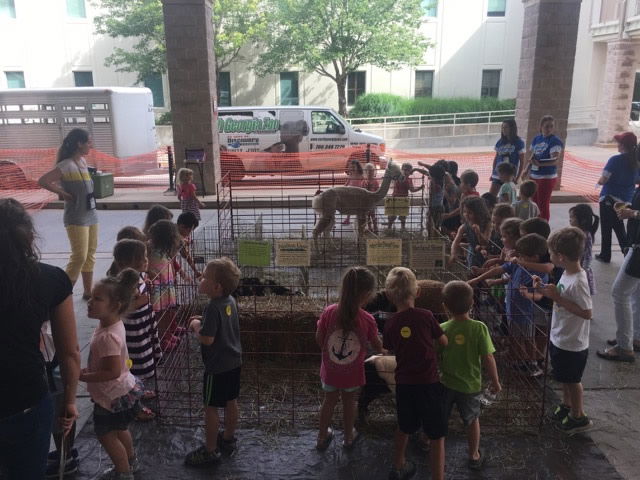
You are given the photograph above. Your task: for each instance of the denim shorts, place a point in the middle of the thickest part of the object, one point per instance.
(468, 404)
(330, 389)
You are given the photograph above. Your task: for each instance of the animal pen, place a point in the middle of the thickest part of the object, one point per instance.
(287, 280)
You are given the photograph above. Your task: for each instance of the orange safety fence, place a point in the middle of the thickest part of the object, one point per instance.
(20, 170)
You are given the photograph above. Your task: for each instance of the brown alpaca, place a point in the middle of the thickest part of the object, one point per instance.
(349, 201)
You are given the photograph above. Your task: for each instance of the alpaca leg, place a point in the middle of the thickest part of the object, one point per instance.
(362, 223)
(323, 227)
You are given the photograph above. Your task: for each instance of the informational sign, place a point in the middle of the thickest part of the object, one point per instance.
(254, 253)
(384, 252)
(396, 206)
(426, 254)
(293, 253)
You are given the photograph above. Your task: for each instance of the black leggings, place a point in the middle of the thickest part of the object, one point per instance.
(609, 221)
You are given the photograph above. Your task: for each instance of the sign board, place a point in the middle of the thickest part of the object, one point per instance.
(396, 206)
(384, 252)
(427, 255)
(293, 253)
(254, 253)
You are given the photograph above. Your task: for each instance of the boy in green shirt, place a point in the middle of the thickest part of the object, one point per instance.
(469, 347)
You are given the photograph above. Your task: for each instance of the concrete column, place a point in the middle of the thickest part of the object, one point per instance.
(191, 63)
(549, 37)
(617, 90)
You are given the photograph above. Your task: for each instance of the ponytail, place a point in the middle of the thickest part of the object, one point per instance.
(122, 288)
(70, 143)
(357, 283)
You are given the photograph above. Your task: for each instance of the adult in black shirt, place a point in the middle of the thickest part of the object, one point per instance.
(31, 293)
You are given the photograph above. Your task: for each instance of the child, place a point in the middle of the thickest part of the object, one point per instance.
(113, 389)
(570, 321)
(452, 168)
(132, 233)
(495, 251)
(437, 176)
(507, 192)
(468, 182)
(520, 308)
(371, 184)
(490, 200)
(469, 347)
(342, 333)
(140, 324)
(535, 225)
(219, 333)
(401, 188)
(164, 241)
(186, 191)
(411, 334)
(155, 213)
(355, 178)
(477, 230)
(500, 213)
(187, 223)
(525, 207)
(582, 217)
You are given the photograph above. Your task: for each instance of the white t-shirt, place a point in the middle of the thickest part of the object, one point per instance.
(568, 331)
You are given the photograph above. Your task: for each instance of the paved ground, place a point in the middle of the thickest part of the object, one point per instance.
(612, 394)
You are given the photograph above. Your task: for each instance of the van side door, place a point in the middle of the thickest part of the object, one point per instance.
(327, 132)
(294, 131)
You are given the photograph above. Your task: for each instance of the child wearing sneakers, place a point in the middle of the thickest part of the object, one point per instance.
(570, 322)
(469, 348)
(218, 330)
(525, 207)
(411, 334)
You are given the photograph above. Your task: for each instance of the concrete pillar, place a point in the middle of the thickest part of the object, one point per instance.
(617, 90)
(549, 37)
(191, 63)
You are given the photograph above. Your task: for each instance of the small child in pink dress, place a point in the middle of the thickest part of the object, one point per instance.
(371, 184)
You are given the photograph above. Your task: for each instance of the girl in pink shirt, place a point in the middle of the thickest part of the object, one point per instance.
(355, 178)
(113, 389)
(343, 331)
(401, 188)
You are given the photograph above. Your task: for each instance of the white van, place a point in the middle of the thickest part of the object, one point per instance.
(289, 129)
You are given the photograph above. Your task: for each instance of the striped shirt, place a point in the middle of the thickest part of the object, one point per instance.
(77, 182)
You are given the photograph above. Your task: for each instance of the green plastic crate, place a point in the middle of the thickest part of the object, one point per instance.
(102, 184)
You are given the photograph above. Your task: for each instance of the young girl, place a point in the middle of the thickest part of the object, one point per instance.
(164, 241)
(355, 178)
(113, 389)
(582, 216)
(186, 191)
(476, 229)
(437, 176)
(140, 323)
(371, 184)
(155, 213)
(342, 334)
(401, 188)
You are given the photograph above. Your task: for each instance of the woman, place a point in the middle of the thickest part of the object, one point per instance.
(626, 295)
(545, 153)
(510, 148)
(617, 180)
(71, 180)
(30, 293)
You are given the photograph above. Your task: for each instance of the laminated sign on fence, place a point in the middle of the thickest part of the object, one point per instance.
(384, 252)
(254, 253)
(396, 206)
(426, 255)
(293, 253)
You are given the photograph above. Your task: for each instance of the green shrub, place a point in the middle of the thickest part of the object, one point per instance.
(379, 105)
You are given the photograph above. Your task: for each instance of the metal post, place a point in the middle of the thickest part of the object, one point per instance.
(489, 123)
(368, 153)
(171, 169)
(453, 133)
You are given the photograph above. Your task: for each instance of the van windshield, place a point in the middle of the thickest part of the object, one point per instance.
(325, 122)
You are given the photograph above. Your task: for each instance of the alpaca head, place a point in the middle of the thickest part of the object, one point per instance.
(393, 171)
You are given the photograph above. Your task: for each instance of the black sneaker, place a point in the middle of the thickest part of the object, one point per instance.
(602, 259)
(201, 457)
(560, 412)
(572, 425)
(70, 467)
(406, 472)
(227, 447)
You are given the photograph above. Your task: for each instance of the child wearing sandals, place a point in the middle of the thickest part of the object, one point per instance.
(114, 391)
(412, 334)
(342, 333)
(140, 323)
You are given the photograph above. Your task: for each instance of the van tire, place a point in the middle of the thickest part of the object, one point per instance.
(232, 165)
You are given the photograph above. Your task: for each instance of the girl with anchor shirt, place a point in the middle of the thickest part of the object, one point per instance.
(343, 331)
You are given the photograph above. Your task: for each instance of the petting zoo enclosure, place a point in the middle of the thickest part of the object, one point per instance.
(288, 278)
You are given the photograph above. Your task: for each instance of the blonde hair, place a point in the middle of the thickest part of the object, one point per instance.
(183, 174)
(226, 273)
(401, 284)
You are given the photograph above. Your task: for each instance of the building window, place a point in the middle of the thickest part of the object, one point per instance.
(289, 88)
(356, 86)
(430, 8)
(15, 79)
(76, 9)
(7, 9)
(83, 79)
(154, 83)
(424, 83)
(490, 83)
(496, 8)
(224, 89)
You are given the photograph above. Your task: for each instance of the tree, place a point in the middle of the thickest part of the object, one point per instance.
(335, 37)
(236, 23)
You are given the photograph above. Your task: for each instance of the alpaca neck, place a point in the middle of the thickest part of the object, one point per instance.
(384, 188)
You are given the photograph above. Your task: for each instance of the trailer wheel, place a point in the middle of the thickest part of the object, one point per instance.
(232, 165)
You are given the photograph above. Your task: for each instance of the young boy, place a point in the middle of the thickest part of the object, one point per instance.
(411, 334)
(507, 193)
(469, 347)
(519, 308)
(187, 222)
(570, 321)
(525, 207)
(219, 334)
